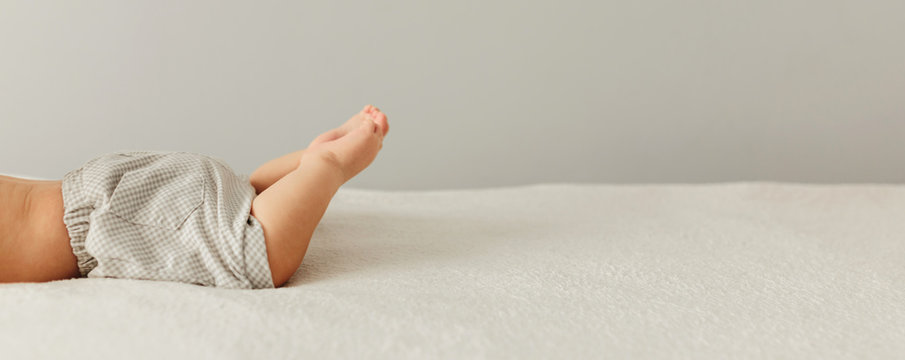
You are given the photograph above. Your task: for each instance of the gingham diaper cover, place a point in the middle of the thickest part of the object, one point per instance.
(169, 216)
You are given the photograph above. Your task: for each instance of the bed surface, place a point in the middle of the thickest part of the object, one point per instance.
(742, 270)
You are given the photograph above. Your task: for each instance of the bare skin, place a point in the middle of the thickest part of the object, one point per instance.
(293, 190)
(33, 238)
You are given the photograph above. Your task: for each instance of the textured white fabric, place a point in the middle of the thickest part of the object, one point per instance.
(746, 270)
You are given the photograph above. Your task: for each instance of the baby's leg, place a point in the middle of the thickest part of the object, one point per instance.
(290, 208)
(275, 169)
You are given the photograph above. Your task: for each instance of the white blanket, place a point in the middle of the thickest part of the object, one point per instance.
(742, 270)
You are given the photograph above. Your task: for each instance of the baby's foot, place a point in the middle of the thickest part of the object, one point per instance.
(369, 112)
(357, 146)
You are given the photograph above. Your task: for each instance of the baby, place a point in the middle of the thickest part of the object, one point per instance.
(178, 216)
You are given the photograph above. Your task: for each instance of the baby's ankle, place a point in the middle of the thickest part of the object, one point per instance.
(327, 160)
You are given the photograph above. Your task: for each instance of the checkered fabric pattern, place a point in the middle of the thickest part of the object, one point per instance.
(169, 216)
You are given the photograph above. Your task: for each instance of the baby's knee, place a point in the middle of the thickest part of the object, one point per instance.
(283, 262)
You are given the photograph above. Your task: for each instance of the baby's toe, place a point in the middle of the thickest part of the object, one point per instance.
(381, 120)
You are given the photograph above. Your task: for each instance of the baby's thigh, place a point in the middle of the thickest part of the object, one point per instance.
(283, 253)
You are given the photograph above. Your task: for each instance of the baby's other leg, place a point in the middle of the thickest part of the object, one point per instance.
(275, 169)
(290, 209)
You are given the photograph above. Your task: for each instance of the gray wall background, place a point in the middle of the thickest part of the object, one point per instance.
(479, 93)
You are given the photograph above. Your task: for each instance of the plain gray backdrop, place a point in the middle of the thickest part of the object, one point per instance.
(479, 93)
